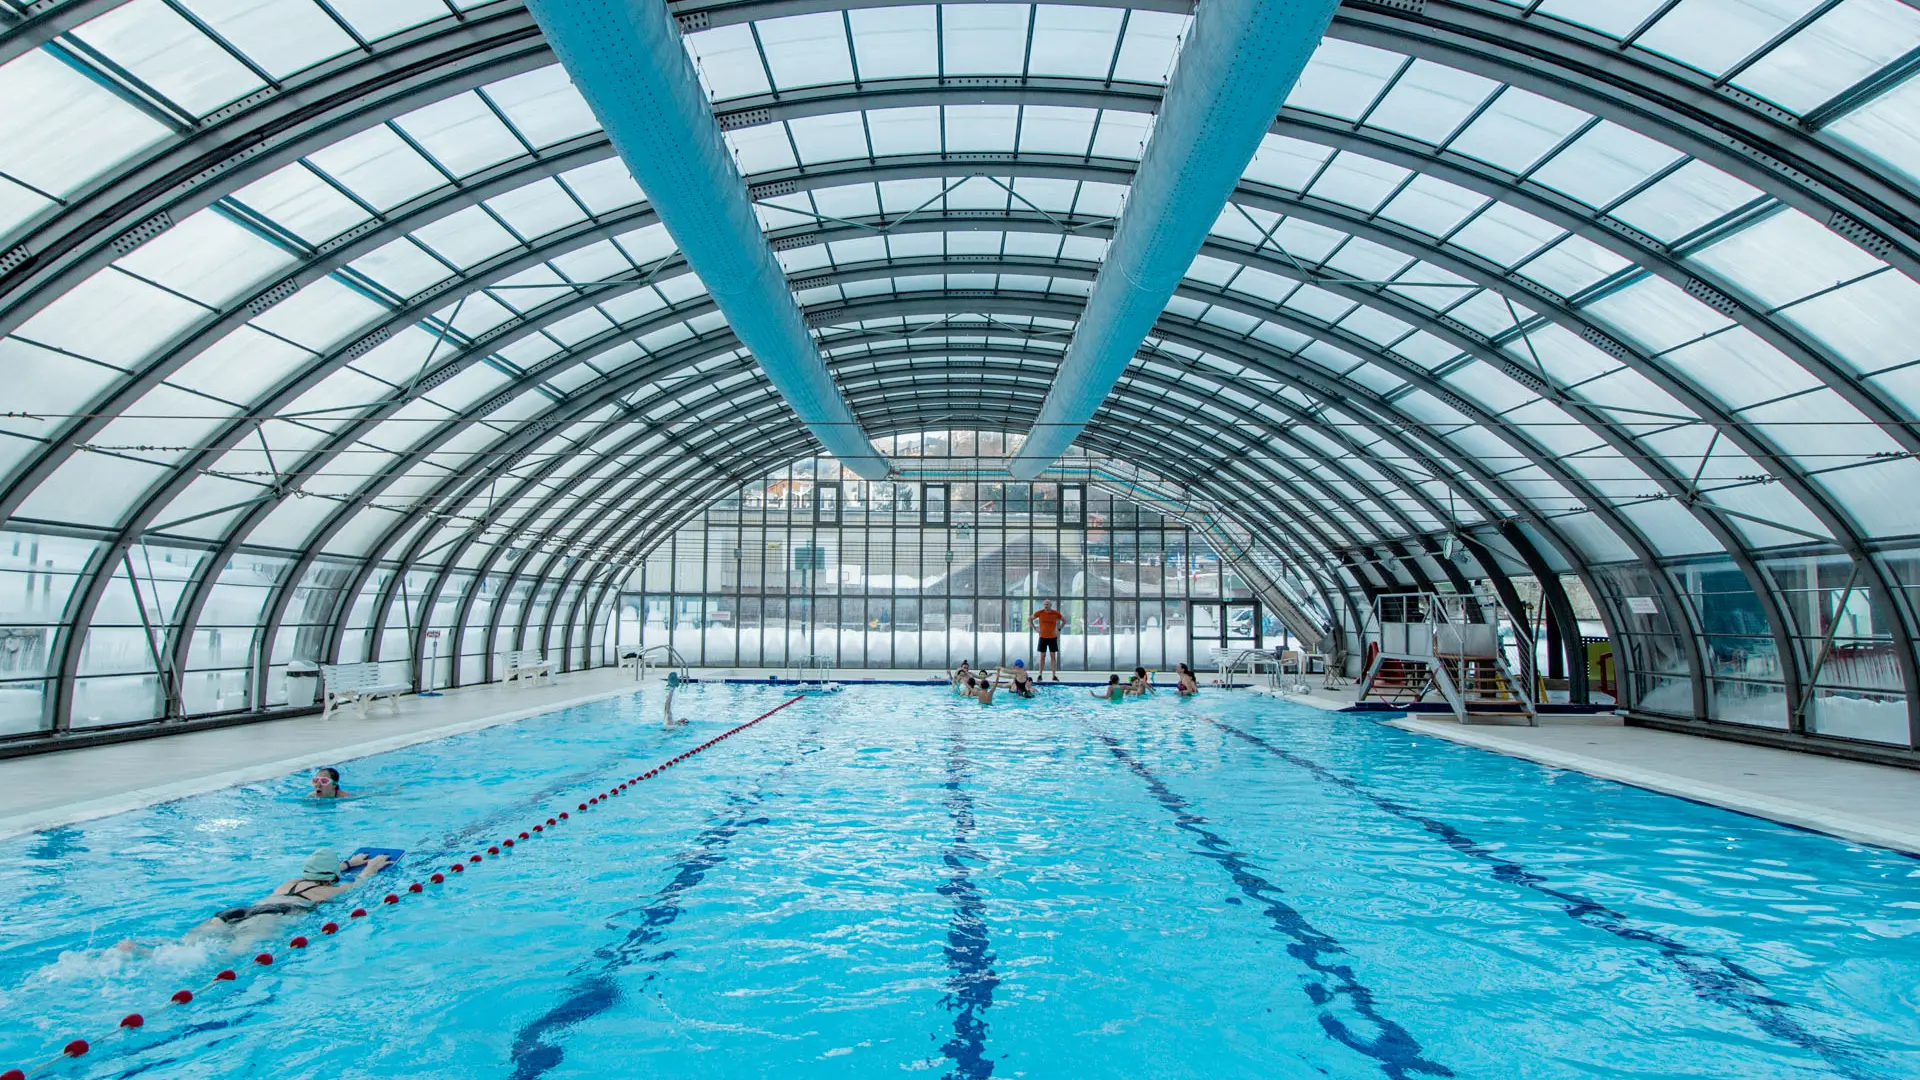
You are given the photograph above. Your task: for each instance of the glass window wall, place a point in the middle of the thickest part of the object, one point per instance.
(947, 563)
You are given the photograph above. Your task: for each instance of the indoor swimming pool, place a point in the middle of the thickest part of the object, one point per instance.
(892, 880)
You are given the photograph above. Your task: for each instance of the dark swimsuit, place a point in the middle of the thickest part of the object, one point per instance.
(295, 901)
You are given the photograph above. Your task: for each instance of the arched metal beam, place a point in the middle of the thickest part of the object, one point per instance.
(868, 389)
(897, 415)
(344, 439)
(1387, 471)
(1336, 217)
(641, 537)
(296, 575)
(621, 506)
(1791, 654)
(258, 134)
(1479, 177)
(1635, 88)
(1642, 91)
(626, 512)
(643, 530)
(1406, 153)
(1353, 346)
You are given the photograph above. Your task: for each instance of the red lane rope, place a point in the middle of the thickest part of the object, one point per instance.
(135, 1021)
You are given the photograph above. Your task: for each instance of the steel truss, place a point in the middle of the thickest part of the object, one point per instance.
(1784, 157)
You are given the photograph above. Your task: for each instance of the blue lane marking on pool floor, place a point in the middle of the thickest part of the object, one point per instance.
(1393, 1047)
(534, 1052)
(598, 991)
(1711, 977)
(971, 979)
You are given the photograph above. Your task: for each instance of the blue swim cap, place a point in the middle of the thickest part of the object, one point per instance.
(1019, 663)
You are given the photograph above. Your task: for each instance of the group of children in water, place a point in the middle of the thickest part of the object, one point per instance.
(982, 684)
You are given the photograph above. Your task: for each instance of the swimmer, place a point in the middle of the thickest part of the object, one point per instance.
(983, 688)
(1188, 685)
(1113, 691)
(321, 879)
(667, 719)
(1018, 680)
(960, 675)
(326, 784)
(1142, 684)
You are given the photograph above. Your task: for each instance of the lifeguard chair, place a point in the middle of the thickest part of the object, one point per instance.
(1444, 643)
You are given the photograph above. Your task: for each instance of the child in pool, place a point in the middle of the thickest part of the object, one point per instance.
(984, 687)
(1114, 691)
(1141, 686)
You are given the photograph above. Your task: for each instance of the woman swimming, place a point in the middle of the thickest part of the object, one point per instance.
(322, 878)
(667, 719)
(1113, 691)
(1188, 684)
(326, 784)
(1018, 680)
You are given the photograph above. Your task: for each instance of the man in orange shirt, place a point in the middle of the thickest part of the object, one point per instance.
(1048, 622)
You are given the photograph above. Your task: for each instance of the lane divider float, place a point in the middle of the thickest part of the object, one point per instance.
(135, 1021)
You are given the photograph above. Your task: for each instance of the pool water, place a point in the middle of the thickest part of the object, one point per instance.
(893, 880)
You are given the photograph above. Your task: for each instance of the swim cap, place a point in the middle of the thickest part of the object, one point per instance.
(323, 865)
(1019, 663)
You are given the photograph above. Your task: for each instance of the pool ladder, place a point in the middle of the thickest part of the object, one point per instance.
(660, 656)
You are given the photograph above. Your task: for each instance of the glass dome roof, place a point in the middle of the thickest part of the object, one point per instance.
(303, 300)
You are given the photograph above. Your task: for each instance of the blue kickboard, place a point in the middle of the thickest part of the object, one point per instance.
(392, 854)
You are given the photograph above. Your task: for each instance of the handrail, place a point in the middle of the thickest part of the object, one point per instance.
(1235, 544)
(671, 655)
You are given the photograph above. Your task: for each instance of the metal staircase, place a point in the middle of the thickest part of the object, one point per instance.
(1267, 575)
(1447, 644)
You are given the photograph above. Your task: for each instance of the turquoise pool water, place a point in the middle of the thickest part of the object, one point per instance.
(894, 881)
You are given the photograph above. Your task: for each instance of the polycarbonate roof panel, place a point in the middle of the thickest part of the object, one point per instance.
(1579, 315)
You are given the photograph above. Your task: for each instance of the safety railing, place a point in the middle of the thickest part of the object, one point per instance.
(1264, 571)
(1449, 641)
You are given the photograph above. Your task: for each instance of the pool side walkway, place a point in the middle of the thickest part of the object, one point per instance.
(47, 790)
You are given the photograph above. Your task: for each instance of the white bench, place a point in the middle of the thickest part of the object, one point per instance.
(358, 684)
(526, 664)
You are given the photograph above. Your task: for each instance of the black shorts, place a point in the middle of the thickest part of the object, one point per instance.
(1050, 644)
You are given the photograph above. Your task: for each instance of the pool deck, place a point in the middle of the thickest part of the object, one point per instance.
(1870, 804)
